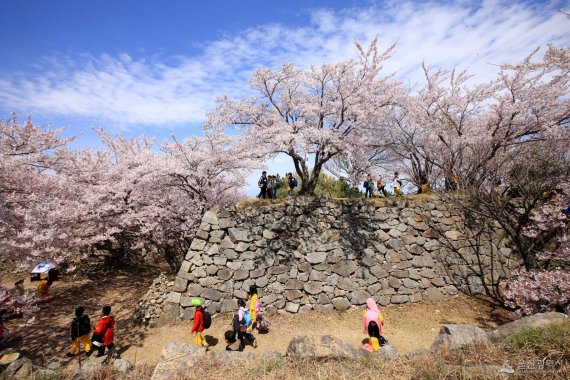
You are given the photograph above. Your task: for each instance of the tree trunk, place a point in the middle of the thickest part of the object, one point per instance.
(309, 185)
(171, 256)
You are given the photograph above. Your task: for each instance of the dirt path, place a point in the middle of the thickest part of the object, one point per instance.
(48, 338)
(408, 327)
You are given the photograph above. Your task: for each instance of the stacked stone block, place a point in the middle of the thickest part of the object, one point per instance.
(318, 254)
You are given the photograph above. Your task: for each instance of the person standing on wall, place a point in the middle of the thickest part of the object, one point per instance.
(381, 186)
(292, 182)
(369, 186)
(275, 185)
(397, 184)
(262, 183)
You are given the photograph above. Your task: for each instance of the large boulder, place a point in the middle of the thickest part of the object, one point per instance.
(456, 336)
(225, 357)
(536, 320)
(122, 365)
(89, 367)
(387, 352)
(8, 358)
(175, 358)
(322, 347)
(20, 368)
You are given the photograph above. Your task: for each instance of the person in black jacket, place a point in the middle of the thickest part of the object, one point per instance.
(80, 329)
(262, 183)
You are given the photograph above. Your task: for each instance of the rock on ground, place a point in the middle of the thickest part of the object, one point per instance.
(19, 369)
(226, 357)
(387, 352)
(7, 359)
(89, 366)
(176, 357)
(322, 347)
(456, 336)
(122, 365)
(536, 320)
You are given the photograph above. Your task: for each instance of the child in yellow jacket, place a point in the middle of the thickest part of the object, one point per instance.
(253, 306)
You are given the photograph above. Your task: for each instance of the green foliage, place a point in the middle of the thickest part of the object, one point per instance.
(541, 340)
(331, 187)
(283, 186)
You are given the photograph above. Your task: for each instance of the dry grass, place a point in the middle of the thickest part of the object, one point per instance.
(258, 201)
(379, 201)
(471, 362)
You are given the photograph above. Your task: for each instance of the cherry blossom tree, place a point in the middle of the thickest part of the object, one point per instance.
(141, 197)
(508, 142)
(29, 187)
(58, 202)
(323, 111)
(30, 159)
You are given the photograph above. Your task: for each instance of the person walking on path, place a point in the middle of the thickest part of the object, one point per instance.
(253, 306)
(372, 314)
(43, 290)
(262, 183)
(198, 326)
(375, 340)
(104, 333)
(243, 326)
(80, 329)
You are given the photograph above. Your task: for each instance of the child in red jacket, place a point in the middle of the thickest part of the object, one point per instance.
(198, 326)
(104, 333)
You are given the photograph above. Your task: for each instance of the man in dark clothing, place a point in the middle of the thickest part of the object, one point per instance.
(80, 329)
(262, 183)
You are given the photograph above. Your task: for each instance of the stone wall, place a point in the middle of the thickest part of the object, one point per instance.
(320, 254)
(149, 308)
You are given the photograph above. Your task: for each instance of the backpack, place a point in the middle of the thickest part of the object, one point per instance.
(365, 184)
(83, 325)
(207, 319)
(247, 318)
(262, 324)
(295, 183)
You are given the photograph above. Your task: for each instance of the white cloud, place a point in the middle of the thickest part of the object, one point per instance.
(133, 92)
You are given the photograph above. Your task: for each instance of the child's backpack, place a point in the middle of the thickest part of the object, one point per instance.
(262, 324)
(367, 347)
(295, 183)
(207, 319)
(83, 325)
(247, 318)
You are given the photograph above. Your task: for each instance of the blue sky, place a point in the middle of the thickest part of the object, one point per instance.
(156, 67)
